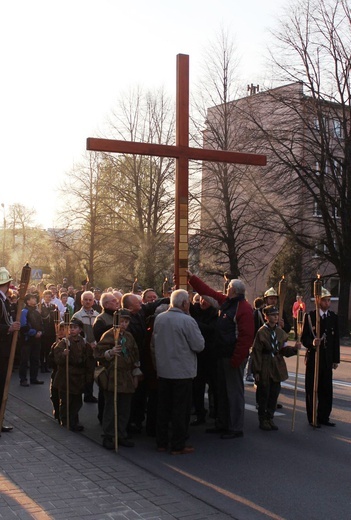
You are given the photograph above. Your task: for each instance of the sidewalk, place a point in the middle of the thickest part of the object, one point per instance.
(50, 473)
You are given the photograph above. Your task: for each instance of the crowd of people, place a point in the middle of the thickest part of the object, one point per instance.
(154, 357)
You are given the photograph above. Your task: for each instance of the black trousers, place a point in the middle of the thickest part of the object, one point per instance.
(174, 406)
(325, 389)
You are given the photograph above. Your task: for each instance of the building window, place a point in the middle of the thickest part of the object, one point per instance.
(336, 213)
(316, 209)
(337, 128)
(318, 247)
(336, 168)
(318, 168)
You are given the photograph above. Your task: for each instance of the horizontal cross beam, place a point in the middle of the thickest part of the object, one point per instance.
(177, 152)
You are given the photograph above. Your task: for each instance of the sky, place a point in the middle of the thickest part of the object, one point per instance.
(64, 66)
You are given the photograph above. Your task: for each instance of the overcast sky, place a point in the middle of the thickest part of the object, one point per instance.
(64, 65)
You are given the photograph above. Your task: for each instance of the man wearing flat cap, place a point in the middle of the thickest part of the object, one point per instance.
(329, 359)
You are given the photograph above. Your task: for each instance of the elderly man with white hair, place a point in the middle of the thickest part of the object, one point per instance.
(234, 336)
(87, 316)
(177, 339)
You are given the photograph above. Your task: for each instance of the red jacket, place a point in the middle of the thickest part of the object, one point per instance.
(245, 329)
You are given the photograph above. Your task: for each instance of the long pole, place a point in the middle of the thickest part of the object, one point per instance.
(66, 321)
(300, 322)
(282, 295)
(116, 331)
(317, 298)
(57, 322)
(25, 277)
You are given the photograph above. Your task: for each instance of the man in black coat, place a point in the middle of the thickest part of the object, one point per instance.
(205, 314)
(329, 358)
(7, 328)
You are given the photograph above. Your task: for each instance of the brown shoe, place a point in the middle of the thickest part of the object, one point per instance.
(184, 451)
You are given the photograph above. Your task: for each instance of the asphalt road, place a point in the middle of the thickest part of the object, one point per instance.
(299, 475)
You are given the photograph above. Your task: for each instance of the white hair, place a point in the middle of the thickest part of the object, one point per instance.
(238, 285)
(86, 293)
(178, 297)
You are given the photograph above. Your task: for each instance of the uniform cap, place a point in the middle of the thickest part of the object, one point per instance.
(77, 321)
(270, 309)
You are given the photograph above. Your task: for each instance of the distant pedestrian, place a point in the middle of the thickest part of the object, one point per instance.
(299, 304)
(31, 334)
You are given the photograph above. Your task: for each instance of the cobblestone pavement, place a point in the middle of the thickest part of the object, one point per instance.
(49, 473)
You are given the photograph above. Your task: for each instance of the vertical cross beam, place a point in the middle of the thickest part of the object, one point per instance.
(181, 245)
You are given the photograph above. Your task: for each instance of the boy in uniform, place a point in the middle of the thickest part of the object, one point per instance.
(268, 352)
(81, 371)
(128, 373)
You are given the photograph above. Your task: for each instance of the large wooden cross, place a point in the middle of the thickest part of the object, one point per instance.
(182, 152)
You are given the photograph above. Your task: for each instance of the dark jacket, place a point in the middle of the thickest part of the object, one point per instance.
(329, 332)
(234, 332)
(31, 323)
(81, 365)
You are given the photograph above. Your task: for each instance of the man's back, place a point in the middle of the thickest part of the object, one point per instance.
(177, 339)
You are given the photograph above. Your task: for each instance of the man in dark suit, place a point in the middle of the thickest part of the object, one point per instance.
(7, 327)
(329, 358)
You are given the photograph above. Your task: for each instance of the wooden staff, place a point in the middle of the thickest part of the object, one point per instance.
(165, 286)
(57, 322)
(66, 321)
(300, 323)
(135, 286)
(25, 278)
(282, 295)
(317, 299)
(116, 331)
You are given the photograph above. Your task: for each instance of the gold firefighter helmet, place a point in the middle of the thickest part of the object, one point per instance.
(270, 292)
(5, 276)
(325, 293)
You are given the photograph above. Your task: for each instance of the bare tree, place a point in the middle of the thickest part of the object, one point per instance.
(141, 197)
(120, 222)
(82, 233)
(230, 240)
(308, 138)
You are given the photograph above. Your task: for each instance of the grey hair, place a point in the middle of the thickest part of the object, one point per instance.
(238, 285)
(178, 297)
(105, 297)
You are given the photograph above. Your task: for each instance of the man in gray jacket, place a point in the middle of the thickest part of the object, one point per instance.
(177, 339)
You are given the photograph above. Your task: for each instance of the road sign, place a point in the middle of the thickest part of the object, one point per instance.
(37, 274)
